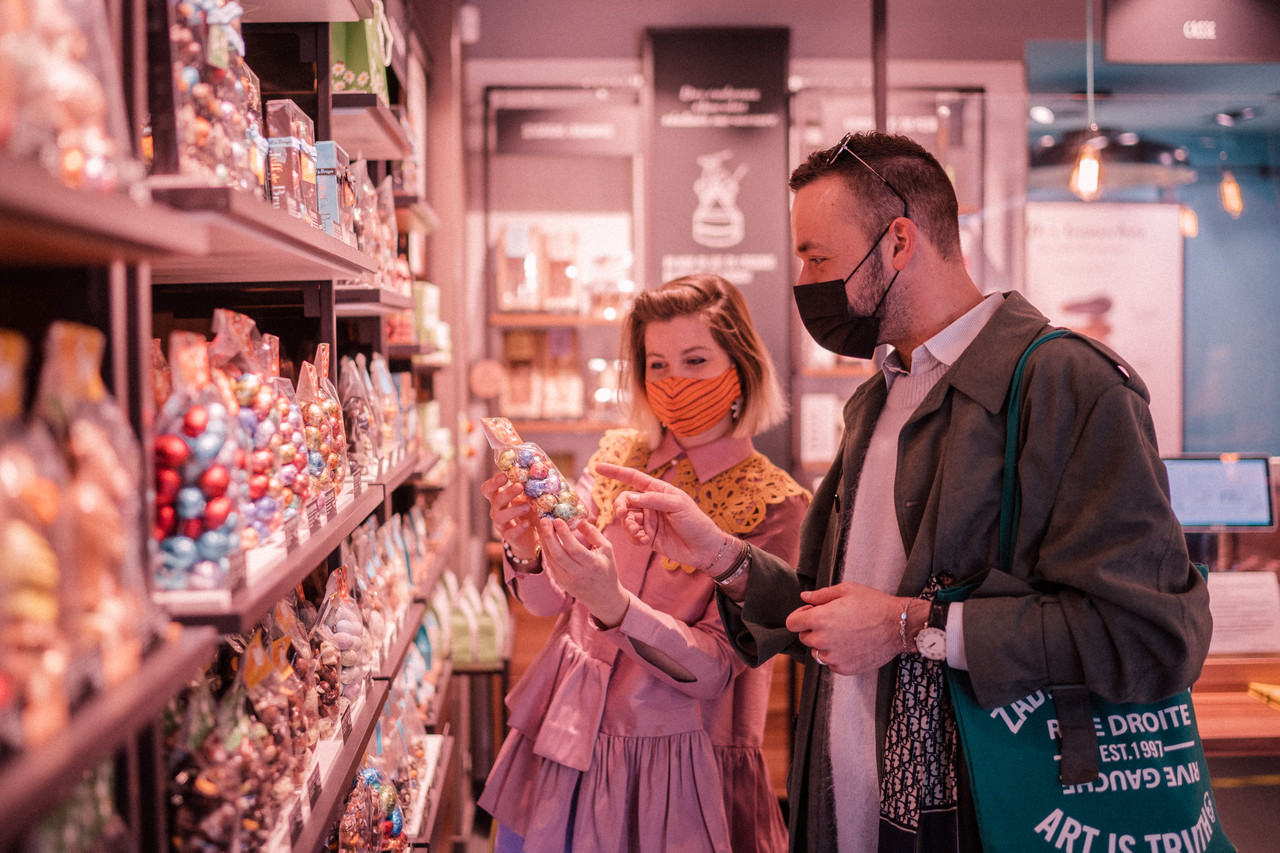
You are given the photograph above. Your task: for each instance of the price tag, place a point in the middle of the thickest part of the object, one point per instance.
(357, 485)
(331, 503)
(346, 724)
(313, 514)
(313, 786)
(296, 823)
(237, 574)
(291, 526)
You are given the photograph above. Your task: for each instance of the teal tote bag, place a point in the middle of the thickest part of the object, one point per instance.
(1063, 770)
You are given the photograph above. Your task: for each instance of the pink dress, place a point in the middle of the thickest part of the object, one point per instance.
(658, 763)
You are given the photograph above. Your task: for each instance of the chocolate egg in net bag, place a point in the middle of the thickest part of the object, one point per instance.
(528, 464)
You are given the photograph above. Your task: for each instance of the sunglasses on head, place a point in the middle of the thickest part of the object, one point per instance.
(843, 148)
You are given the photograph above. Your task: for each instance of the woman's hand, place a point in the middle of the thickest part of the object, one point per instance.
(512, 514)
(581, 562)
(666, 519)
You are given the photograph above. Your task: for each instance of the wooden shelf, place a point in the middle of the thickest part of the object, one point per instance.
(250, 240)
(305, 11)
(367, 128)
(585, 426)
(42, 223)
(274, 569)
(317, 818)
(405, 633)
(423, 356)
(415, 215)
(369, 302)
(35, 782)
(537, 319)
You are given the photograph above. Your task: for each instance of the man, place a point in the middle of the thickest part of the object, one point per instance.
(1101, 591)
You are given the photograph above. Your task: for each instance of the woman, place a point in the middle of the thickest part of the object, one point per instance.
(637, 728)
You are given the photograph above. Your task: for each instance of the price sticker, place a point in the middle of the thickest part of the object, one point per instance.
(237, 573)
(296, 823)
(313, 785)
(331, 503)
(291, 526)
(313, 514)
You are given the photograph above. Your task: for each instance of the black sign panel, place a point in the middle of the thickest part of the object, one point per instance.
(1191, 31)
(596, 131)
(717, 173)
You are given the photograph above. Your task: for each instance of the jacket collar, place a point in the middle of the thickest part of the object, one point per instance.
(993, 353)
(708, 460)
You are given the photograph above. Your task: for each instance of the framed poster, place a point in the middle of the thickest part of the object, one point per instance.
(1114, 272)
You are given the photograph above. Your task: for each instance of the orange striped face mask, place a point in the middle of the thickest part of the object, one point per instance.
(688, 406)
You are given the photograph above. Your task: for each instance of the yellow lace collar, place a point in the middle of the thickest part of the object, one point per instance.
(736, 499)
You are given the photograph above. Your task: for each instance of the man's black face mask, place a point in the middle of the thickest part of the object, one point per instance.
(824, 308)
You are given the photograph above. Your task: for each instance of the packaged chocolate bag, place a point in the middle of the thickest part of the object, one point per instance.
(526, 463)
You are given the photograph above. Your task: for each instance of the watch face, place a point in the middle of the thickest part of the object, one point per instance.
(932, 643)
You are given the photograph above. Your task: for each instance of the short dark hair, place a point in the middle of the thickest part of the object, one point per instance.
(909, 168)
(727, 314)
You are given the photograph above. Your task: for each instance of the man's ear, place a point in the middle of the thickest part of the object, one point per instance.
(905, 238)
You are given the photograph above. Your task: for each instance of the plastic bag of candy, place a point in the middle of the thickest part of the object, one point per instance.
(200, 478)
(525, 462)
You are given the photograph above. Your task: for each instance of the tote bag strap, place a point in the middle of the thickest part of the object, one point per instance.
(1070, 701)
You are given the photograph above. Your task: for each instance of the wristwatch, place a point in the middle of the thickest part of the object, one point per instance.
(932, 639)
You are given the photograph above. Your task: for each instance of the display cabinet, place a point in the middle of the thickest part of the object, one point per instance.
(157, 254)
(561, 172)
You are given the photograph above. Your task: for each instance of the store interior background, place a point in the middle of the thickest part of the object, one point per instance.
(1011, 56)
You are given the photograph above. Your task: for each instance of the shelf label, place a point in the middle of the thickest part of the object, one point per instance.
(313, 785)
(357, 484)
(237, 573)
(331, 503)
(345, 723)
(291, 526)
(296, 823)
(313, 514)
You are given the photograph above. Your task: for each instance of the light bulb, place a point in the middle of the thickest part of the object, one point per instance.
(1086, 177)
(1229, 192)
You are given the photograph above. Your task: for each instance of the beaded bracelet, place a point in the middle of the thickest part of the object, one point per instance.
(740, 565)
(516, 561)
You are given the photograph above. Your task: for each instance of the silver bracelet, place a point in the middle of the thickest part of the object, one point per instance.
(738, 569)
(724, 544)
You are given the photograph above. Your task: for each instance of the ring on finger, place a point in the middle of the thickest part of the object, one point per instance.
(817, 659)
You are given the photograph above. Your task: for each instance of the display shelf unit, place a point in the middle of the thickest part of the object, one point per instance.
(276, 566)
(369, 301)
(366, 127)
(250, 240)
(31, 784)
(313, 816)
(400, 642)
(306, 11)
(547, 320)
(444, 759)
(42, 222)
(566, 426)
(119, 261)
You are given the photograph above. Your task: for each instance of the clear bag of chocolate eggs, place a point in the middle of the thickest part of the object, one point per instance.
(200, 474)
(524, 462)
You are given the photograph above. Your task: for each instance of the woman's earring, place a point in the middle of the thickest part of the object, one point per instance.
(735, 407)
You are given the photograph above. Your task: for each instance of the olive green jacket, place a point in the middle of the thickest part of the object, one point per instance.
(1101, 591)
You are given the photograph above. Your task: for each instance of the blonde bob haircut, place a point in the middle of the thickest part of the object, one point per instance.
(723, 307)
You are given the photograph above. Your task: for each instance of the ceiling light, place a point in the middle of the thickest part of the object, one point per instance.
(1229, 192)
(1041, 114)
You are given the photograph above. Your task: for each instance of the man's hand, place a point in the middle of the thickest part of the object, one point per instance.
(664, 518)
(854, 628)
